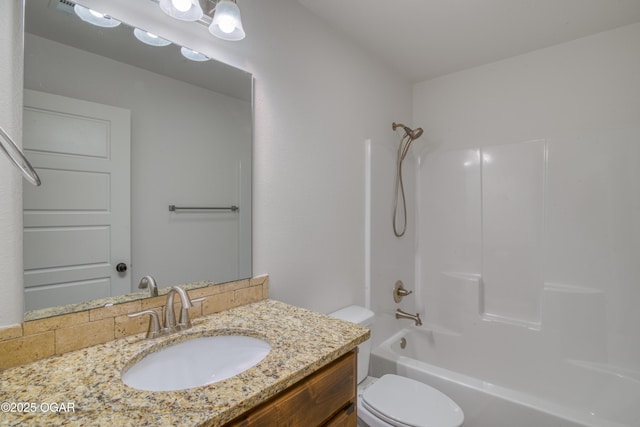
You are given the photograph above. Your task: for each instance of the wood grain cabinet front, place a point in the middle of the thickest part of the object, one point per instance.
(325, 398)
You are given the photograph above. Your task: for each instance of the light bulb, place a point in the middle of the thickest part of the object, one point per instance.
(181, 5)
(96, 14)
(193, 55)
(226, 22)
(227, 25)
(185, 10)
(150, 38)
(95, 18)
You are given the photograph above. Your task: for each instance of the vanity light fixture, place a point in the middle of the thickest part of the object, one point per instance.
(185, 10)
(95, 18)
(227, 23)
(221, 16)
(150, 38)
(193, 55)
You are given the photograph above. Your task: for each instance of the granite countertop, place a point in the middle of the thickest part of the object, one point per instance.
(88, 380)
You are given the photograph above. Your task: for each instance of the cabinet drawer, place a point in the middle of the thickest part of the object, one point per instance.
(347, 417)
(314, 401)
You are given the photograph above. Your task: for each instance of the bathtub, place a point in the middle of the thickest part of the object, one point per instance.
(496, 393)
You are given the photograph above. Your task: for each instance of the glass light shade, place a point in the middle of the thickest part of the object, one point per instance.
(95, 18)
(150, 38)
(193, 55)
(227, 23)
(185, 10)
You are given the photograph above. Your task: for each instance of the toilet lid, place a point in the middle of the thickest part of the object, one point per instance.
(404, 402)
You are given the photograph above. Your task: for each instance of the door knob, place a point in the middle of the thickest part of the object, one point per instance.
(121, 267)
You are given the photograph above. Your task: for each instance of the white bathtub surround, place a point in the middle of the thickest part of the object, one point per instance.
(560, 395)
(528, 234)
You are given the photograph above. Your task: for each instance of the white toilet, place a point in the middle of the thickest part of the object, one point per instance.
(393, 400)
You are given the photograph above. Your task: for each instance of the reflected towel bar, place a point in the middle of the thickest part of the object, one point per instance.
(174, 208)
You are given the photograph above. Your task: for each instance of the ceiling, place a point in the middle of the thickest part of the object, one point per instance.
(423, 39)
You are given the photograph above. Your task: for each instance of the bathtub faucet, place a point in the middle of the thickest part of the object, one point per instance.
(402, 315)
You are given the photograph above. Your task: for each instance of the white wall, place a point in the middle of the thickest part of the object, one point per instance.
(318, 97)
(181, 153)
(10, 178)
(532, 185)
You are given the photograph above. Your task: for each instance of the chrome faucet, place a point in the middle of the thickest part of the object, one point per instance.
(149, 282)
(403, 315)
(156, 329)
(170, 316)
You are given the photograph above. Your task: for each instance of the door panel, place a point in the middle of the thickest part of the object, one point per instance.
(82, 246)
(59, 133)
(69, 190)
(77, 224)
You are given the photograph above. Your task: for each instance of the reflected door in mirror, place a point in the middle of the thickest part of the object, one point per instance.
(76, 225)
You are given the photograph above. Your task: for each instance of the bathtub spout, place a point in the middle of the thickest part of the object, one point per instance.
(403, 315)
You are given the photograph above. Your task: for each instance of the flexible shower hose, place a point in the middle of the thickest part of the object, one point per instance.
(403, 149)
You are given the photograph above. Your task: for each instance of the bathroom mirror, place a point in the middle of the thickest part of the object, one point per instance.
(119, 131)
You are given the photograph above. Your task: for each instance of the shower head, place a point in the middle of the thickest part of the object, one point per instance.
(412, 133)
(416, 133)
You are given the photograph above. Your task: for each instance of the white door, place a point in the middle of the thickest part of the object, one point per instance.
(77, 224)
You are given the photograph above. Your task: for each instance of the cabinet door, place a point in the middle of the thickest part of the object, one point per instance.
(325, 398)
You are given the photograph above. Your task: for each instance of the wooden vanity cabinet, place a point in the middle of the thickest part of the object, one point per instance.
(325, 398)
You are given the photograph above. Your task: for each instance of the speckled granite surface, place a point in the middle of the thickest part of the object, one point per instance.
(301, 342)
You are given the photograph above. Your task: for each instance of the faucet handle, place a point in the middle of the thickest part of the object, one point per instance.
(154, 322)
(399, 291)
(185, 322)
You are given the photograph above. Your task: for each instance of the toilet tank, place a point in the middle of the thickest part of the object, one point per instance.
(363, 317)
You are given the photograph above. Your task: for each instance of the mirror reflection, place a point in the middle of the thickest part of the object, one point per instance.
(119, 131)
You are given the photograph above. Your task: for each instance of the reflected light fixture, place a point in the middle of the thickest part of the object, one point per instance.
(227, 23)
(193, 55)
(185, 10)
(150, 38)
(95, 18)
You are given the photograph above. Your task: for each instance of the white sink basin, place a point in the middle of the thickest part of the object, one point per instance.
(195, 363)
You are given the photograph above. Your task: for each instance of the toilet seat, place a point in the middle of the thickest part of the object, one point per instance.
(403, 402)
